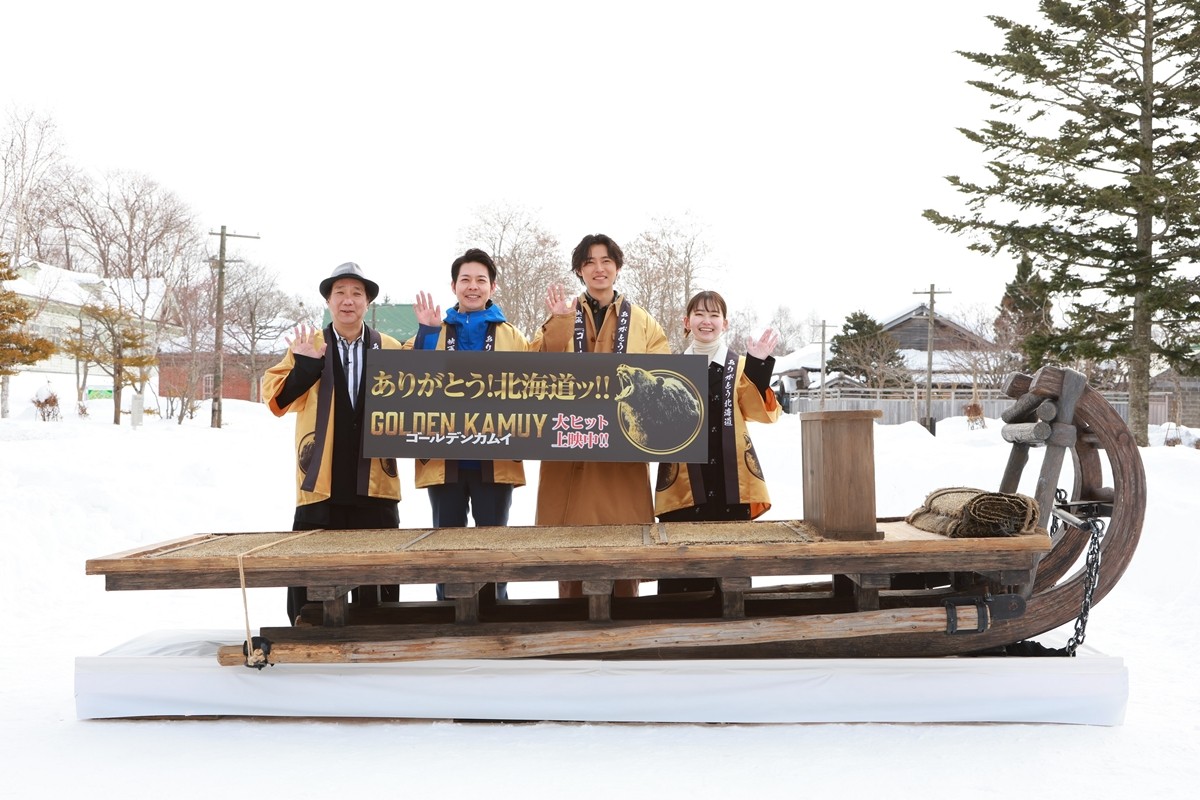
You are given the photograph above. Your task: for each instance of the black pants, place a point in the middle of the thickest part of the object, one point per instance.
(374, 513)
(705, 513)
(489, 504)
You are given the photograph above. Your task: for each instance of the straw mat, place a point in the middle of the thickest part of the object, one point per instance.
(961, 512)
(506, 538)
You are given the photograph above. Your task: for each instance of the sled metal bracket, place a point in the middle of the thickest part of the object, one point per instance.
(981, 612)
(987, 608)
(1079, 513)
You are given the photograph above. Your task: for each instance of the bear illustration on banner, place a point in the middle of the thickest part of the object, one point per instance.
(660, 411)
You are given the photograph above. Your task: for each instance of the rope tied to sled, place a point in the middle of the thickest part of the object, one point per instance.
(961, 512)
(256, 650)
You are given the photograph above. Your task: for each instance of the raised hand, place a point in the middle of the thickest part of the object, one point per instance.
(764, 345)
(303, 342)
(428, 314)
(557, 300)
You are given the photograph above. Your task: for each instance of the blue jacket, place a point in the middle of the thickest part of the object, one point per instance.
(471, 328)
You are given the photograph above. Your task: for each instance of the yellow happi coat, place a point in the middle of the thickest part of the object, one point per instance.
(432, 471)
(384, 481)
(597, 492)
(674, 489)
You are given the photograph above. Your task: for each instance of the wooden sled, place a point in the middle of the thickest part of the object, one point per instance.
(893, 591)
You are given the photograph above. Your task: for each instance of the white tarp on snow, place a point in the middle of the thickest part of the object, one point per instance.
(175, 673)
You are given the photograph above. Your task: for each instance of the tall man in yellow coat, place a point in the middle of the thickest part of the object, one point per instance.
(599, 320)
(321, 380)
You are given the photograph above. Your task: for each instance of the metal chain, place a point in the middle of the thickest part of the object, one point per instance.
(1089, 586)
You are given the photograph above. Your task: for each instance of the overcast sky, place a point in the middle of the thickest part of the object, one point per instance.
(806, 137)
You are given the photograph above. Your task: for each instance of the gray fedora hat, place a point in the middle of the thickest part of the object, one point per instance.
(349, 270)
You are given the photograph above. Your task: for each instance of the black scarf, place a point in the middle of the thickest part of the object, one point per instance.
(372, 341)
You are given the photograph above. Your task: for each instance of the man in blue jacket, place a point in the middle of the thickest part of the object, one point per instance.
(474, 323)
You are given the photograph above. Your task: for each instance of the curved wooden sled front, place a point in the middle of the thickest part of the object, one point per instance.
(1057, 596)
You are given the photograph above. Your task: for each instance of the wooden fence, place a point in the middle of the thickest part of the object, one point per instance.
(898, 406)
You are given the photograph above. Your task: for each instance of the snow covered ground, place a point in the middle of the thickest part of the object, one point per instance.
(83, 488)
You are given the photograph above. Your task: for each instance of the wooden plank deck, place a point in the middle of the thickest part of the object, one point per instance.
(472, 555)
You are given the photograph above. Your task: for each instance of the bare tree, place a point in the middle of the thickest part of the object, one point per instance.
(48, 221)
(742, 323)
(527, 257)
(30, 163)
(257, 315)
(191, 349)
(129, 226)
(792, 332)
(30, 151)
(143, 238)
(663, 267)
(994, 358)
(112, 338)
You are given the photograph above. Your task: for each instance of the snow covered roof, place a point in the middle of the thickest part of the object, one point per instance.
(807, 358)
(918, 310)
(947, 365)
(42, 281)
(144, 296)
(943, 360)
(39, 281)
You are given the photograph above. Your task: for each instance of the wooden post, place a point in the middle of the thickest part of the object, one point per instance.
(466, 600)
(334, 612)
(1017, 458)
(599, 595)
(1072, 386)
(733, 597)
(838, 451)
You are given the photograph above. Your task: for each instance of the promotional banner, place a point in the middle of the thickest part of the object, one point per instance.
(539, 406)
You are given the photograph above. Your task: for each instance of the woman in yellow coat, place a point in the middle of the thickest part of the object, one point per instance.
(730, 486)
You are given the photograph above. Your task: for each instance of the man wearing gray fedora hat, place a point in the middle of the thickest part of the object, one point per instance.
(321, 380)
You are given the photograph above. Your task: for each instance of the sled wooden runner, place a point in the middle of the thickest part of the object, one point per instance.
(907, 592)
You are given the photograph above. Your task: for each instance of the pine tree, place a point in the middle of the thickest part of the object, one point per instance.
(1025, 322)
(18, 347)
(86, 349)
(1092, 159)
(864, 351)
(115, 342)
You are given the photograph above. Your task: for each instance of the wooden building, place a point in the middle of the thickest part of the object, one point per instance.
(910, 329)
(1185, 397)
(177, 370)
(58, 298)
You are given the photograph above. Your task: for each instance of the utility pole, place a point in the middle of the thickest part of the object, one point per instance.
(822, 406)
(219, 341)
(929, 424)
